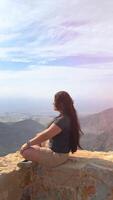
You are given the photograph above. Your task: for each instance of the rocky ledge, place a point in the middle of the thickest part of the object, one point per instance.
(85, 176)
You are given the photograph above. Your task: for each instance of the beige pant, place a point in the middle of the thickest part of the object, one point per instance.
(45, 156)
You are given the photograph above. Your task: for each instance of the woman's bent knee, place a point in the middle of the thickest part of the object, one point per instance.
(31, 153)
(26, 153)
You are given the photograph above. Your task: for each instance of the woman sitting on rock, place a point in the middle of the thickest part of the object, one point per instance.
(63, 135)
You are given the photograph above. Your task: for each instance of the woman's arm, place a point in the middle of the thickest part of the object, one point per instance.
(42, 136)
(45, 135)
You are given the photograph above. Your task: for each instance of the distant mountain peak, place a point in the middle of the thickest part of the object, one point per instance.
(109, 110)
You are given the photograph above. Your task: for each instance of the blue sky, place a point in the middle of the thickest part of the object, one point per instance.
(47, 46)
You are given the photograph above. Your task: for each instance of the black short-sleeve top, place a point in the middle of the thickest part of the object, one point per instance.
(61, 142)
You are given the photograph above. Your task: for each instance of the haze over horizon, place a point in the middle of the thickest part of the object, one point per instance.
(45, 107)
(47, 46)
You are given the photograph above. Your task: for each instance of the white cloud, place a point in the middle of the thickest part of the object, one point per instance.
(5, 37)
(45, 81)
(43, 20)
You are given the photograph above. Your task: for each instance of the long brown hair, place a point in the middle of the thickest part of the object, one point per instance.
(64, 104)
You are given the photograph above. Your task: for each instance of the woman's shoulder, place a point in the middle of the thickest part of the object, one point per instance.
(62, 121)
(62, 118)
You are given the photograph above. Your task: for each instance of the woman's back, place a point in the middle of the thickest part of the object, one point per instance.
(61, 142)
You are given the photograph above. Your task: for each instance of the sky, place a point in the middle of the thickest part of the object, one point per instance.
(47, 46)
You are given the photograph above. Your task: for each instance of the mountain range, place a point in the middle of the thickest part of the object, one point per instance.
(97, 128)
(98, 131)
(13, 135)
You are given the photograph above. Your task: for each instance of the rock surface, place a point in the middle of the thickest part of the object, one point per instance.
(85, 176)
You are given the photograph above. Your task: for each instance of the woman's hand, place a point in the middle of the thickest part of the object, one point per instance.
(24, 147)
